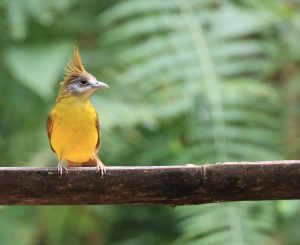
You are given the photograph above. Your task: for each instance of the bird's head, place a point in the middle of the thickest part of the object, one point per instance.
(77, 81)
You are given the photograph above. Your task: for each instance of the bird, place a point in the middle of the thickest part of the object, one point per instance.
(73, 124)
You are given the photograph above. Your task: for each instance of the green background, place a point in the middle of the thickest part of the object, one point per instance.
(190, 82)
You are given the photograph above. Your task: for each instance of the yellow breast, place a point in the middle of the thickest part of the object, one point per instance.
(74, 133)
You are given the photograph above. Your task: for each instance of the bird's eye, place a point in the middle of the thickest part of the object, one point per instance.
(83, 82)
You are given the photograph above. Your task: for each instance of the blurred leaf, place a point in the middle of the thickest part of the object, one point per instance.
(38, 67)
(288, 208)
(228, 223)
(17, 225)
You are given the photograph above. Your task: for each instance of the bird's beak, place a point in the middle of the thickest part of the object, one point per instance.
(100, 85)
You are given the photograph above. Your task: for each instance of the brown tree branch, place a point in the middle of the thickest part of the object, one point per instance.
(174, 185)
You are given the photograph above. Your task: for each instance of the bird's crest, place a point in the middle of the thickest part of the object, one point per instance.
(74, 68)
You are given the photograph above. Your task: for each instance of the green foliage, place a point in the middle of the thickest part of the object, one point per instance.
(17, 226)
(30, 64)
(190, 81)
(197, 61)
(238, 223)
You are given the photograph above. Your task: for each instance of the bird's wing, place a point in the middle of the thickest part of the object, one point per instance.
(99, 134)
(49, 129)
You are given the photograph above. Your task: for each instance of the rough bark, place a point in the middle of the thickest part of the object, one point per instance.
(173, 185)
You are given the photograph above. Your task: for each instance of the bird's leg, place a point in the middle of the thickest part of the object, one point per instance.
(100, 166)
(61, 167)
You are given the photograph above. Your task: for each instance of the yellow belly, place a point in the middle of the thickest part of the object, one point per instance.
(74, 133)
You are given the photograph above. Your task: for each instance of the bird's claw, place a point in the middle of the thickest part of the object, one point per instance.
(101, 167)
(60, 169)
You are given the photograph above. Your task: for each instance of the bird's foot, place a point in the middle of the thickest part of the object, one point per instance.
(100, 167)
(60, 168)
